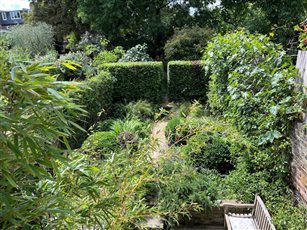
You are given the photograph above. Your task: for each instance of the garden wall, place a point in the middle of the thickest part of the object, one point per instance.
(299, 138)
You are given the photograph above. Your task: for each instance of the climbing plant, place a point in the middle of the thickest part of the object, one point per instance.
(253, 84)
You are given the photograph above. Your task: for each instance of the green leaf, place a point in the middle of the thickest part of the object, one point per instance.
(9, 178)
(69, 66)
(14, 148)
(55, 93)
(40, 172)
(47, 68)
(32, 67)
(74, 63)
(77, 126)
(59, 211)
(274, 110)
(13, 73)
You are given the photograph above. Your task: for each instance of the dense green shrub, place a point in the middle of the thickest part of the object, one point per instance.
(187, 43)
(17, 55)
(238, 168)
(96, 47)
(170, 129)
(209, 151)
(115, 133)
(126, 132)
(70, 66)
(181, 113)
(241, 184)
(255, 91)
(104, 125)
(135, 126)
(286, 216)
(108, 56)
(302, 37)
(187, 81)
(100, 143)
(4, 41)
(183, 189)
(82, 65)
(142, 110)
(252, 83)
(50, 57)
(89, 43)
(210, 143)
(137, 80)
(95, 95)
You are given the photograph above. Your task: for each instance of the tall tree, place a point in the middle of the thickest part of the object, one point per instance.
(61, 14)
(282, 15)
(135, 21)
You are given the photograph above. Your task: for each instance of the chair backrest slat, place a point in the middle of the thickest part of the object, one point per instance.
(262, 216)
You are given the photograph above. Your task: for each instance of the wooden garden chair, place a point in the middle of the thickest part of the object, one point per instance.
(247, 216)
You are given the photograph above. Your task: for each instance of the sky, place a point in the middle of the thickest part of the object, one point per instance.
(13, 4)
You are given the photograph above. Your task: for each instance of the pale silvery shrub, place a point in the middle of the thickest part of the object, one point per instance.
(35, 38)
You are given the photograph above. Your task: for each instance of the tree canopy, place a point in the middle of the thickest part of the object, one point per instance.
(61, 14)
(138, 21)
(278, 16)
(132, 22)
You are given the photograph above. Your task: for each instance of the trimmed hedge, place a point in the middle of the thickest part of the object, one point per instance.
(95, 95)
(186, 81)
(136, 80)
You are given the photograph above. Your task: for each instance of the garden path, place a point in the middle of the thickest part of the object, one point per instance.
(158, 136)
(159, 147)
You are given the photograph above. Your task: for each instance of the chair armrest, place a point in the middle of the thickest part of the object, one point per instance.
(232, 205)
(237, 208)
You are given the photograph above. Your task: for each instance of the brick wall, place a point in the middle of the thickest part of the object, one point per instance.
(299, 163)
(299, 139)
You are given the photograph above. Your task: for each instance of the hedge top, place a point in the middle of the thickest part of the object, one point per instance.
(195, 62)
(132, 64)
